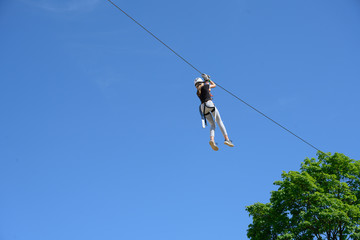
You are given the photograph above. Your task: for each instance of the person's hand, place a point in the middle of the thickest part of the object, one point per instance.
(205, 77)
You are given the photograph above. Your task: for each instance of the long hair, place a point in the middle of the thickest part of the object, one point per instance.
(198, 87)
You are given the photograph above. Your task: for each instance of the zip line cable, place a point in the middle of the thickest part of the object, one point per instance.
(155, 36)
(232, 94)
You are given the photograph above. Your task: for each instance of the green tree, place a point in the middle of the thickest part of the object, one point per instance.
(321, 201)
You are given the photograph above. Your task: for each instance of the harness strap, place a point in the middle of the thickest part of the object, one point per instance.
(203, 114)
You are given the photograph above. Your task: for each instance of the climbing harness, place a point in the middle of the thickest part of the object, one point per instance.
(202, 110)
(258, 111)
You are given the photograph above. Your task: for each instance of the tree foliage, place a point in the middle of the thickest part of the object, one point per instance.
(321, 201)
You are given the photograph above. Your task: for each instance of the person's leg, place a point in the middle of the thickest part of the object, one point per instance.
(212, 143)
(220, 124)
(222, 128)
(206, 109)
(211, 121)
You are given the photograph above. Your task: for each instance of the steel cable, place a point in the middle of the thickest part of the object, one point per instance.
(196, 69)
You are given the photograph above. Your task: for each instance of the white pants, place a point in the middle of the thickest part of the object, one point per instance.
(210, 116)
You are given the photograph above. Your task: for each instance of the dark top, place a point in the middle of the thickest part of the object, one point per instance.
(205, 93)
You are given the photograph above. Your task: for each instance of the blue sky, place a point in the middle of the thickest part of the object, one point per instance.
(100, 132)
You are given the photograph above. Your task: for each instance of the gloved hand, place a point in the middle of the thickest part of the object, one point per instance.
(205, 77)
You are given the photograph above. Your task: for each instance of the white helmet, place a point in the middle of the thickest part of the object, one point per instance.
(198, 80)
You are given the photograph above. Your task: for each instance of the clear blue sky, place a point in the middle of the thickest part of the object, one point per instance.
(100, 132)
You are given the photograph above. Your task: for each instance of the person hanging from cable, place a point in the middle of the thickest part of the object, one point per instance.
(208, 111)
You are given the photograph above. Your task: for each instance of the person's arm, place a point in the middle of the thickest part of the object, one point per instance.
(212, 84)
